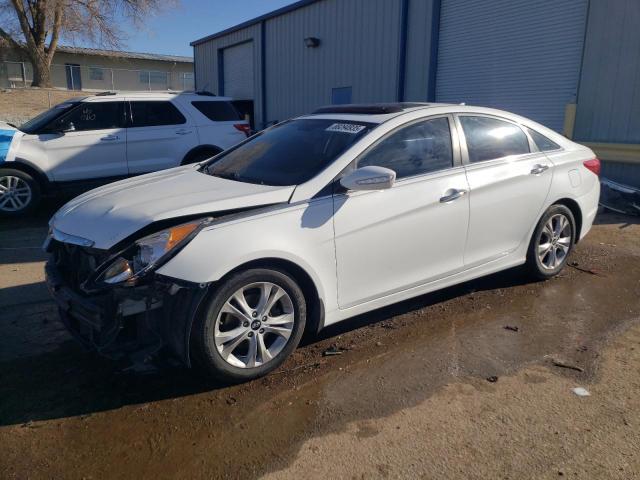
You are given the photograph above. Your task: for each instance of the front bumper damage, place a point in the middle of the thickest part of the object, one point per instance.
(140, 325)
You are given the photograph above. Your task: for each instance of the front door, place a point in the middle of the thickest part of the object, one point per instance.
(159, 136)
(509, 182)
(74, 77)
(392, 240)
(88, 142)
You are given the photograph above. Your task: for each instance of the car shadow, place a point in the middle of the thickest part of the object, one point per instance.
(68, 382)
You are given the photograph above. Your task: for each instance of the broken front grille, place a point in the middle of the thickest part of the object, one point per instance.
(76, 264)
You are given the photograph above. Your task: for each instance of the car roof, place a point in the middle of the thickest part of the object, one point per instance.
(370, 112)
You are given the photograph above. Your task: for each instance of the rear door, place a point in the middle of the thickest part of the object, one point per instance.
(88, 142)
(159, 136)
(509, 181)
(392, 240)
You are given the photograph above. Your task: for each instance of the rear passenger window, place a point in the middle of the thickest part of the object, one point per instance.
(417, 149)
(542, 142)
(217, 111)
(489, 138)
(153, 114)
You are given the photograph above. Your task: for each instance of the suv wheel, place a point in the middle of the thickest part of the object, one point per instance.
(19, 193)
(201, 156)
(250, 325)
(552, 242)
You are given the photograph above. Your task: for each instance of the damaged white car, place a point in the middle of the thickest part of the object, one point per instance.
(224, 264)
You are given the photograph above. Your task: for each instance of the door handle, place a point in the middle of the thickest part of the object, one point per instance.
(538, 169)
(452, 194)
(109, 138)
(183, 132)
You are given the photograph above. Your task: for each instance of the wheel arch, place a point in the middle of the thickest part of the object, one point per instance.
(315, 305)
(28, 168)
(199, 149)
(575, 210)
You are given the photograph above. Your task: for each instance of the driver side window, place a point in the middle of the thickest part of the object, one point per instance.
(92, 116)
(420, 148)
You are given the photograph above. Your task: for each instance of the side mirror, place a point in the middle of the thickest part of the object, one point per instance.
(69, 128)
(369, 178)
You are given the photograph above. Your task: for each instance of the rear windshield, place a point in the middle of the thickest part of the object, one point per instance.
(217, 111)
(40, 121)
(290, 153)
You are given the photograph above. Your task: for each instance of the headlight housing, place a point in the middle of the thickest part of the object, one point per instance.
(148, 253)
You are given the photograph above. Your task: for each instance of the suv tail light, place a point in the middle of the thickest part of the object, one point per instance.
(593, 165)
(244, 128)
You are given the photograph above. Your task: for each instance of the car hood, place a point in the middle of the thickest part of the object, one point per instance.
(109, 214)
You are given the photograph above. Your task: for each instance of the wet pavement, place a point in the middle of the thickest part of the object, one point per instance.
(435, 386)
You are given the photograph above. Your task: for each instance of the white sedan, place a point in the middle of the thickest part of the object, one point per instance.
(226, 263)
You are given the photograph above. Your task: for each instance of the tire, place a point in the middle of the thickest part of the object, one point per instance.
(549, 250)
(234, 347)
(19, 193)
(201, 156)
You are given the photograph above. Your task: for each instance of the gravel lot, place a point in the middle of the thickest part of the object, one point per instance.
(410, 396)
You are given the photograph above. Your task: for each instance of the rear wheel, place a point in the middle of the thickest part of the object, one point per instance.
(552, 242)
(250, 325)
(19, 193)
(201, 156)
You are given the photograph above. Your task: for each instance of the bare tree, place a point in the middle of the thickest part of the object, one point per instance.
(35, 26)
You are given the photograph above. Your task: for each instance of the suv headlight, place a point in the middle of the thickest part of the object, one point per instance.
(149, 253)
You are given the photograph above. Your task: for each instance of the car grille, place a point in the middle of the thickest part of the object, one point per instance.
(75, 263)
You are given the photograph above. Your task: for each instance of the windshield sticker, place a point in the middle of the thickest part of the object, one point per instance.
(346, 128)
(6, 136)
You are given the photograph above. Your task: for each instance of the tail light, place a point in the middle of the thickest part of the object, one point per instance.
(244, 128)
(593, 165)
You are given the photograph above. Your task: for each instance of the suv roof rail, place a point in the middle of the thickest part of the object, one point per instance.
(205, 93)
(104, 94)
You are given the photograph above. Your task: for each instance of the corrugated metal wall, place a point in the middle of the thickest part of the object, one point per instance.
(205, 56)
(359, 49)
(419, 50)
(609, 98)
(519, 55)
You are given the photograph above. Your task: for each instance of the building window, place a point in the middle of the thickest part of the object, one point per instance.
(96, 73)
(154, 78)
(341, 96)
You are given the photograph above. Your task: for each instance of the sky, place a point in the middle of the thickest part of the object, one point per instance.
(171, 31)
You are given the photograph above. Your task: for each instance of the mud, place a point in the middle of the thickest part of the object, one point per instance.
(66, 413)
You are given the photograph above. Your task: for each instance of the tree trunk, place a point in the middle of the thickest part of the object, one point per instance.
(41, 71)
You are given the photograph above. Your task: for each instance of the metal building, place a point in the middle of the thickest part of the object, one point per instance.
(573, 65)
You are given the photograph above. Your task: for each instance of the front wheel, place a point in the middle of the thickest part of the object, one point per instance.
(19, 193)
(552, 242)
(250, 325)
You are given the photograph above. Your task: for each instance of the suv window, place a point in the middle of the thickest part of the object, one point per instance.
(417, 149)
(91, 116)
(155, 113)
(542, 142)
(217, 111)
(490, 138)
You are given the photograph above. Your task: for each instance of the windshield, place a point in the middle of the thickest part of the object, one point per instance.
(39, 121)
(290, 153)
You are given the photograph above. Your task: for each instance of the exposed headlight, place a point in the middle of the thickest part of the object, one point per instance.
(150, 252)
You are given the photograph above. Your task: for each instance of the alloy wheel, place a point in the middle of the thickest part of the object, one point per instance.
(15, 194)
(254, 325)
(554, 242)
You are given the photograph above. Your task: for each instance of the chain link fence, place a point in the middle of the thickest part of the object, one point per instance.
(97, 78)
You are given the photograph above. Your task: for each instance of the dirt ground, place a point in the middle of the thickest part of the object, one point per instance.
(20, 104)
(411, 396)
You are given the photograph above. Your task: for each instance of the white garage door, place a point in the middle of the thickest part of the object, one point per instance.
(517, 55)
(238, 71)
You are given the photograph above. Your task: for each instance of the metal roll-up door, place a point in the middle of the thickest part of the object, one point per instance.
(518, 55)
(238, 71)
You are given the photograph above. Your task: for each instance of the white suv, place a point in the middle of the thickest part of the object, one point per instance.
(89, 141)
